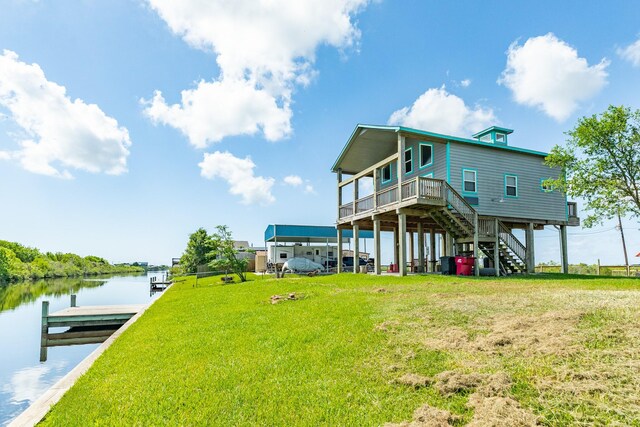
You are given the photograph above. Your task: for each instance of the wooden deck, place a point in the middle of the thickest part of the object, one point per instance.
(86, 325)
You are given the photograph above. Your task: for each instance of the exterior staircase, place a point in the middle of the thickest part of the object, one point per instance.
(460, 220)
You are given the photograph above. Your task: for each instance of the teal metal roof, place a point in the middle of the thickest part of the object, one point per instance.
(360, 127)
(308, 233)
(490, 129)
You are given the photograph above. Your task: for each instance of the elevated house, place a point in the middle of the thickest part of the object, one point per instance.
(472, 191)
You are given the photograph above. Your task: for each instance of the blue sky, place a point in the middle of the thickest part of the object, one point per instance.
(283, 85)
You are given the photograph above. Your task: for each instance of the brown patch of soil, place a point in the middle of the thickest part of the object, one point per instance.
(413, 380)
(428, 416)
(275, 299)
(450, 382)
(501, 411)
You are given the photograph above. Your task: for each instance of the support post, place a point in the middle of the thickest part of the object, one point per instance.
(339, 261)
(496, 248)
(376, 247)
(375, 189)
(396, 247)
(432, 249)
(420, 248)
(598, 270)
(44, 331)
(356, 248)
(476, 264)
(402, 243)
(73, 300)
(411, 252)
(339, 175)
(531, 263)
(563, 249)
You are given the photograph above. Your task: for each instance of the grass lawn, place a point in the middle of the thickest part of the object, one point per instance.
(364, 350)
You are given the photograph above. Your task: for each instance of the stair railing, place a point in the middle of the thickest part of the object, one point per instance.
(459, 205)
(512, 242)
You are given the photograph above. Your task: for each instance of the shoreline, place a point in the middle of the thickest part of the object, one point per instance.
(41, 406)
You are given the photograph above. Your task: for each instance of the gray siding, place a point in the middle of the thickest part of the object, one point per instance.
(491, 166)
(438, 167)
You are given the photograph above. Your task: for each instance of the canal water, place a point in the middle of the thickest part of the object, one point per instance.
(23, 378)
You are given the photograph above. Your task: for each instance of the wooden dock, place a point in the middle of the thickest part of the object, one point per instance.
(86, 325)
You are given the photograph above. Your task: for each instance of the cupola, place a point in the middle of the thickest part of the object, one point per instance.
(493, 135)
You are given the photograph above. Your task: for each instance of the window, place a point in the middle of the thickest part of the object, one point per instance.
(408, 161)
(544, 187)
(486, 138)
(330, 253)
(500, 137)
(283, 255)
(317, 251)
(386, 173)
(426, 155)
(511, 185)
(469, 181)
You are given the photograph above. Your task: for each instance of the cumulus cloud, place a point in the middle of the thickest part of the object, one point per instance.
(59, 133)
(437, 110)
(263, 49)
(631, 53)
(293, 180)
(548, 74)
(239, 174)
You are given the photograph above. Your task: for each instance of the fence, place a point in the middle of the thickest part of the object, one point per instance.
(593, 269)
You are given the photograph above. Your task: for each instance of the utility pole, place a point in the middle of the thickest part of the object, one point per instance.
(624, 245)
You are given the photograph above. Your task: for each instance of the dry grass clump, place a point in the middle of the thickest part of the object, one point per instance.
(413, 380)
(450, 382)
(428, 416)
(501, 412)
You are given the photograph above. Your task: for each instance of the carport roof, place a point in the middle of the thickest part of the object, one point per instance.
(287, 233)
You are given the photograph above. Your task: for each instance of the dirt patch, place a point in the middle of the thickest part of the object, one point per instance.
(413, 380)
(549, 333)
(275, 299)
(450, 382)
(501, 411)
(380, 291)
(387, 326)
(428, 416)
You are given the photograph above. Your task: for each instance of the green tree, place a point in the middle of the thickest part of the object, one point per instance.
(198, 251)
(602, 164)
(225, 254)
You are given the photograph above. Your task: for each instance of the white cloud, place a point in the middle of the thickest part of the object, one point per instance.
(309, 189)
(218, 109)
(60, 133)
(548, 74)
(437, 110)
(263, 49)
(465, 83)
(293, 180)
(631, 53)
(239, 174)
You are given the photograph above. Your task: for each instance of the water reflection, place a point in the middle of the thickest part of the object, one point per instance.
(14, 295)
(22, 378)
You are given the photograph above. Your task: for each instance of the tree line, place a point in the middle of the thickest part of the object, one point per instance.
(19, 262)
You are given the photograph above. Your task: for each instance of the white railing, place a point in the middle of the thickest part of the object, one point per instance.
(429, 188)
(409, 189)
(512, 242)
(387, 196)
(364, 205)
(346, 210)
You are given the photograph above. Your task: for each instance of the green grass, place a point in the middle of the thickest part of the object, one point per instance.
(224, 355)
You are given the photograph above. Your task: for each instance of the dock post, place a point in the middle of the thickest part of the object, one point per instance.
(73, 300)
(44, 331)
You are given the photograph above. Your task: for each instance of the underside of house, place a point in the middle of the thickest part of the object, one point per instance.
(471, 192)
